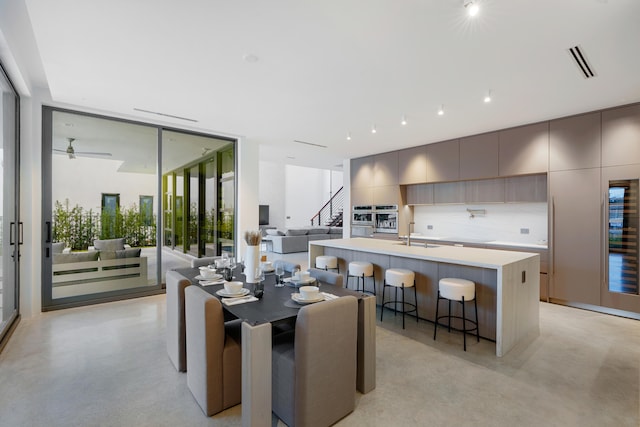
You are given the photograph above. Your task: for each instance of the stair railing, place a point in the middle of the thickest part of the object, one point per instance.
(330, 214)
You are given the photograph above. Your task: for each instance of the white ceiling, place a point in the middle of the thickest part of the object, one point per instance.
(327, 68)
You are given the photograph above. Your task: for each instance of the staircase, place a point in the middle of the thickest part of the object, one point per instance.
(330, 214)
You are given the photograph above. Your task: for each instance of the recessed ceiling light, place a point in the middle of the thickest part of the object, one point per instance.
(349, 136)
(404, 121)
(373, 129)
(441, 110)
(487, 97)
(472, 8)
(250, 57)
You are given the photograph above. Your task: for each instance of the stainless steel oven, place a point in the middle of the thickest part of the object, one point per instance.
(362, 215)
(386, 218)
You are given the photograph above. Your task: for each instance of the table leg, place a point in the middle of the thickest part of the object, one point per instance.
(256, 375)
(366, 377)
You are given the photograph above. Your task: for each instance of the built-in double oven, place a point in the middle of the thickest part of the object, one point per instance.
(386, 218)
(367, 219)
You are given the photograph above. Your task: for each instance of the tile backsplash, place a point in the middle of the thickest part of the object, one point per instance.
(501, 221)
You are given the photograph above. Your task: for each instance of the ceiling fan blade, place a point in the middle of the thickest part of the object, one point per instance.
(93, 153)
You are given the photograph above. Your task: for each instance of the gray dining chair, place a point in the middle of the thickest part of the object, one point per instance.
(287, 265)
(176, 338)
(199, 262)
(214, 356)
(326, 277)
(314, 367)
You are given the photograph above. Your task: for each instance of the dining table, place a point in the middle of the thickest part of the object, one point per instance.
(276, 307)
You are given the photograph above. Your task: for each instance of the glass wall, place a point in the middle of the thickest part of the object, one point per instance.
(10, 229)
(200, 172)
(106, 236)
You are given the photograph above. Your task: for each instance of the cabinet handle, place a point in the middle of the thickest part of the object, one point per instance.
(20, 233)
(48, 232)
(605, 238)
(11, 238)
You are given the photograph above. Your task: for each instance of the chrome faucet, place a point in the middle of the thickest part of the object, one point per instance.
(409, 233)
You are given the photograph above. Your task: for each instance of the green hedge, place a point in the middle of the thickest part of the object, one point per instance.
(78, 227)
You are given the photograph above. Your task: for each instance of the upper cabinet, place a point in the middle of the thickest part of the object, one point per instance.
(621, 136)
(443, 161)
(524, 150)
(362, 196)
(387, 195)
(385, 169)
(484, 191)
(527, 188)
(479, 156)
(420, 194)
(412, 165)
(362, 172)
(574, 142)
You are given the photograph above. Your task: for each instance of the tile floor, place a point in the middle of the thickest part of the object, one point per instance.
(106, 365)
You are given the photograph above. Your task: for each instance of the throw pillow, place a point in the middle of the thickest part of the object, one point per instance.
(128, 253)
(274, 232)
(105, 255)
(109, 244)
(296, 232)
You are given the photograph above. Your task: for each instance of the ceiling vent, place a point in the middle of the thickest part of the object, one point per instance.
(309, 143)
(579, 58)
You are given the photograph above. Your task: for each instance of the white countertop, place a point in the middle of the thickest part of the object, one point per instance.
(476, 257)
(422, 238)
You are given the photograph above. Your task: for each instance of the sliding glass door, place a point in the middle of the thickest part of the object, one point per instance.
(123, 202)
(10, 228)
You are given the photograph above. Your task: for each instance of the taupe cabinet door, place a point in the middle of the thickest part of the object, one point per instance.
(524, 150)
(621, 136)
(575, 223)
(443, 161)
(412, 165)
(574, 142)
(479, 156)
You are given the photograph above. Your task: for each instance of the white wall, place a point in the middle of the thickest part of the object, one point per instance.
(501, 222)
(272, 191)
(83, 180)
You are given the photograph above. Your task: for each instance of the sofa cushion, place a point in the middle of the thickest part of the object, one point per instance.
(105, 255)
(335, 230)
(318, 230)
(109, 244)
(129, 253)
(75, 257)
(274, 232)
(296, 232)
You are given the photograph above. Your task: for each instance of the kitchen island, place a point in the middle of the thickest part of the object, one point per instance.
(507, 282)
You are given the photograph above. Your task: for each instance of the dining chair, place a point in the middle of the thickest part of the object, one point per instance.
(176, 338)
(287, 265)
(326, 277)
(214, 356)
(207, 260)
(314, 366)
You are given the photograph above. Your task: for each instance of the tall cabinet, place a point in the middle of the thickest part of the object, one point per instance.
(576, 209)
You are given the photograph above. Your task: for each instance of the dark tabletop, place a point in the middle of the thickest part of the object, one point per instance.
(271, 307)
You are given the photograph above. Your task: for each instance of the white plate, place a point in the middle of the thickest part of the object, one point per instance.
(298, 298)
(214, 277)
(224, 293)
(269, 270)
(303, 282)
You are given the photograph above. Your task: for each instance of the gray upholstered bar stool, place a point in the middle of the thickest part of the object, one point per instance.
(400, 278)
(460, 290)
(361, 270)
(327, 262)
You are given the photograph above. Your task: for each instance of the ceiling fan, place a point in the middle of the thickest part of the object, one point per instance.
(71, 152)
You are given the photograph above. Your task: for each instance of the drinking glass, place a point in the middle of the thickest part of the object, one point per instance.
(279, 274)
(259, 286)
(295, 276)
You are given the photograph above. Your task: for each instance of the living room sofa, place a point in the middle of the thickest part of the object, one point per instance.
(297, 239)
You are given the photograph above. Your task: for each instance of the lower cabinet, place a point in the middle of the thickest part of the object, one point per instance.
(575, 228)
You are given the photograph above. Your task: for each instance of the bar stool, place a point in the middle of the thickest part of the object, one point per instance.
(360, 270)
(400, 278)
(460, 290)
(327, 262)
